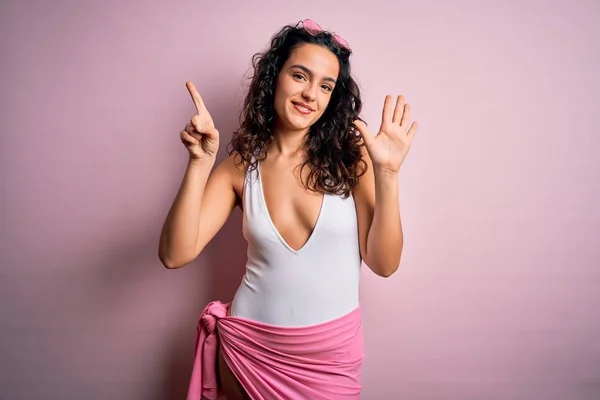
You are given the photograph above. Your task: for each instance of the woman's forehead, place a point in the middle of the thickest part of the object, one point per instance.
(319, 60)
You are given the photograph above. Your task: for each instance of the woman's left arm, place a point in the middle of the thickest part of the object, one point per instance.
(376, 195)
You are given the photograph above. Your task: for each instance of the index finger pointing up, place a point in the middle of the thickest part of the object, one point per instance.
(195, 96)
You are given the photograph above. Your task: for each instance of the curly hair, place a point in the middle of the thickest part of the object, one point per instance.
(333, 145)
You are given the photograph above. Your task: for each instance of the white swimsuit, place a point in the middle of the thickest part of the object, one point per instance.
(315, 284)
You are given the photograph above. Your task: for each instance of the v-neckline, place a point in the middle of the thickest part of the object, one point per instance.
(275, 230)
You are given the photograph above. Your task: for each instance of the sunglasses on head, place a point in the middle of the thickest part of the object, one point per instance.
(314, 29)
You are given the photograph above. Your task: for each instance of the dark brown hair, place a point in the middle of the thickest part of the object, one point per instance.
(332, 144)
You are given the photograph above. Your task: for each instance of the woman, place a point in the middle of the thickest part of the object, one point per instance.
(319, 195)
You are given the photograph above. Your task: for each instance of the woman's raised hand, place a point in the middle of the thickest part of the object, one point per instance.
(200, 136)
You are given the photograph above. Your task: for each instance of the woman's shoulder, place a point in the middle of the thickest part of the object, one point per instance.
(234, 164)
(233, 168)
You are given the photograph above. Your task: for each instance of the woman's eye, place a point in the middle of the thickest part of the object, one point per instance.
(326, 87)
(298, 76)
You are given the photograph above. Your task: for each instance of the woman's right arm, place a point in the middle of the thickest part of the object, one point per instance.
(204, 201)
(201, 208)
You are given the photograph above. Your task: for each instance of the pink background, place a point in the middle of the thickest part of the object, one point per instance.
(498, 293)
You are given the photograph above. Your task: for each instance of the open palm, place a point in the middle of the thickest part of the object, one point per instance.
(389, 147)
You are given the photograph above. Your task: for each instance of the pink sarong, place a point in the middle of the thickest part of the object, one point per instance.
(321, 361)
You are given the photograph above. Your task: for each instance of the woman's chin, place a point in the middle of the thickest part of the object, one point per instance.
(303, 121)
(297, 122)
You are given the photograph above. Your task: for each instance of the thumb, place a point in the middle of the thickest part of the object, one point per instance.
(212, 134)
(364, 132)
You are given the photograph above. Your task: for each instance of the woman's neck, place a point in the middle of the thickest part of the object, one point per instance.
(288, 143)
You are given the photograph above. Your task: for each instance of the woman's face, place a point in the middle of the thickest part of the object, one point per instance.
(304, 87)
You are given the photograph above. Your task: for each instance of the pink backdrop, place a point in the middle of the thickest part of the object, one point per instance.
(497, 296)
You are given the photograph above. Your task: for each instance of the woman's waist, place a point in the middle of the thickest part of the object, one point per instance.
(294, 306)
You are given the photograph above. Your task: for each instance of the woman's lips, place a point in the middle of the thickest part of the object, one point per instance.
(302, 109)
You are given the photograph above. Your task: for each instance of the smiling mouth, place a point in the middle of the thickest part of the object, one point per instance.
(302, 108)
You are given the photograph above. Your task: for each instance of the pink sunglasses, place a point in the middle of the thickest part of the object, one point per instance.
(314, 29)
